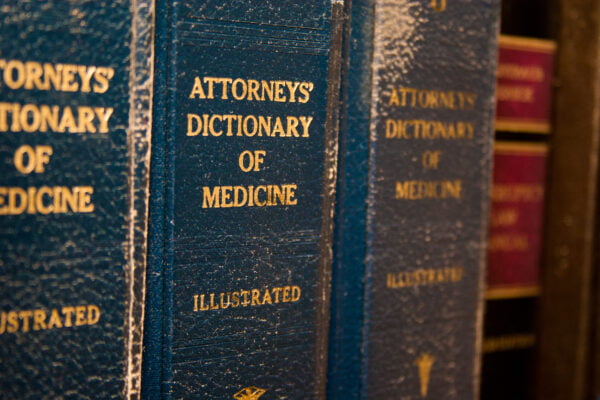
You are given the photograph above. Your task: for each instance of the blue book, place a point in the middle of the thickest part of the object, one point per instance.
(415, 151)
(74, 171)
(244, 156)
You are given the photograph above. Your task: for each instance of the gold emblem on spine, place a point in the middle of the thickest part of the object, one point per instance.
(249, 393)
(438, 5)
(424, 363)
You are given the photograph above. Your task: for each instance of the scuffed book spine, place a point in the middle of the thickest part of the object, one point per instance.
(417, 127)
(75, 95)
(142, 63)
(244, 167)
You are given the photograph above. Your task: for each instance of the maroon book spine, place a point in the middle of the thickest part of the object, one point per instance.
(523, 125)
(516, 219)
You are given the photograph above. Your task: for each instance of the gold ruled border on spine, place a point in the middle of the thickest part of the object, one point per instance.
(512, 292)
(527, 44)
(522, 125)
(519, 341)
(520, 148)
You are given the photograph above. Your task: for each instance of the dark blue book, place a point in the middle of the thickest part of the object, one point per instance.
(244, 157)
(74, 169)
(415, 151)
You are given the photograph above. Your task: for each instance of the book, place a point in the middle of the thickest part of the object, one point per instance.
(75, 86)
(244, 167)
(516, 215)
(525, 73)
(411, 216)
(523, 125)
(568, 361)
(513, 283)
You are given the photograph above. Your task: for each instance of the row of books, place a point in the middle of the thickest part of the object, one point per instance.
(541, 326)
(291, 200)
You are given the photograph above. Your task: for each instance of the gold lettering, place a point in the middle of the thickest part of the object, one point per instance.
(24, 316)
(267, 298)
(516, 93)
(252, 297)
(46, 200)
(85, 75)
(14, 74)
(224, 304)
(504, 217)
(255, 297)
(438, 5)
(292, 87)
(251, 89)
(35, 320)
(509, 342)
(521, 72)
(211, 199)
(248, 196)
(80, 316)
(508, 242)
(55, 321)
(305, 89)
(69, 83)
(102, 75)
(296, 293)
(516, 193)
(305, 121)
(59, 77)
(213, 306)
(203, 307)
(235, 299)
(286, 294)
(197, 90)
(424, 277)
(244, 125)
(44, 118)
(432, 99)
(276, 292)
(429, 130)
(93, 314)
(68, 313)
(39, 320)
(13, 322)
(418, 190)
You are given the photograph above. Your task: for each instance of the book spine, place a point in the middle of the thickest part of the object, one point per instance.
(523, 122)
(244, 167)
(420, 97)
(513, 279)
(525, 73)
(75, 96)
(514, 246)
(568, 362)
(524, 96)
(345, 364)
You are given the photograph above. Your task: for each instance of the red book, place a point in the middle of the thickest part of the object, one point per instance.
(516, 219)
(524, 78)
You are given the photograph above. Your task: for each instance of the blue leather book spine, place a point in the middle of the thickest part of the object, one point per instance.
(415, 153)
(244, 167)
(75, 93)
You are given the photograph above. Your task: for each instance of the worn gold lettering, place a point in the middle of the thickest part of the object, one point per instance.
(247, 298)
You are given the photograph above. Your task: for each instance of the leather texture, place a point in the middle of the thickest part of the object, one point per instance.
(275, 348)
(420, 340)
(55, 260)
